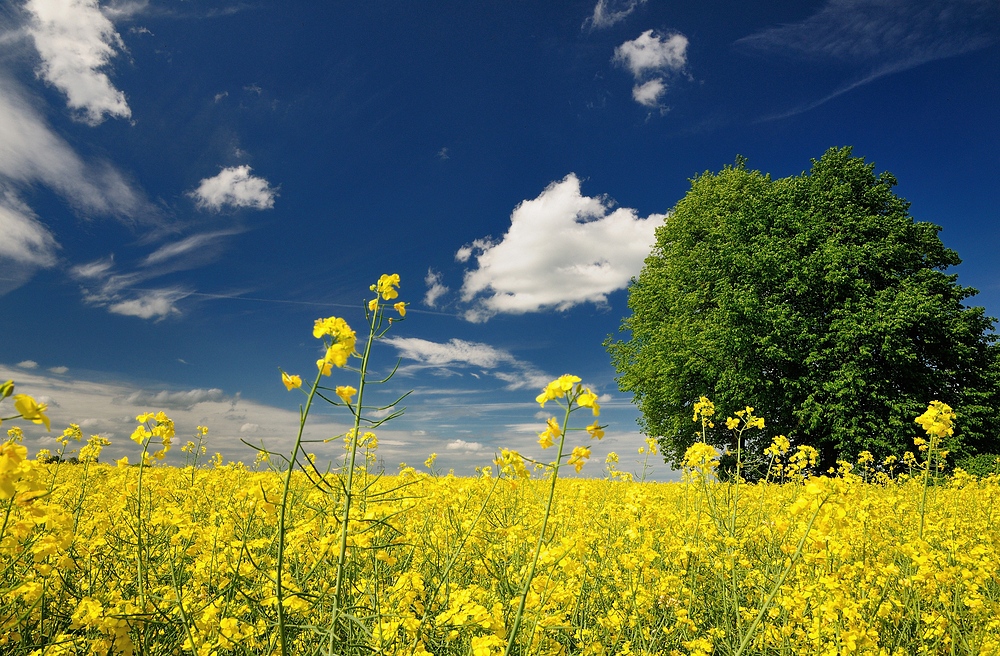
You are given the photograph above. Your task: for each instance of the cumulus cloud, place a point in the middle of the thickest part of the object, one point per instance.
(234, 187)
(28, 364)
(649, 93)
(562, 249)
(462, 354)
(873, 38)
(651, 57)
(462, 445)
(610, 12)
(651, 52)
(76, 42)
(435, 288)
(59, 370)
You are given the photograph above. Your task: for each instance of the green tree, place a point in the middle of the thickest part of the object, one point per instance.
(818, 300)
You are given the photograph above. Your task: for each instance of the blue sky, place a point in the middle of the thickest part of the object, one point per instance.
(185, 187)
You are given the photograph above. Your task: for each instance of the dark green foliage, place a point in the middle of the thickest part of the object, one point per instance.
(816, 299)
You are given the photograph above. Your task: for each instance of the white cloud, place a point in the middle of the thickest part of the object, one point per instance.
(234, 187)
(462, 445)
(609, 12)
(95, 269)
(562, 249)
(461, 354)
(455, 351)
(173, 400)
(59, 370)
(649, 93)
(28, 364)
(118, 292)
(124, 9)
(249, 428)
(652, 52)
(650, 57)
(149, 304)
(195, 246)
(435, 289)
(76, 41)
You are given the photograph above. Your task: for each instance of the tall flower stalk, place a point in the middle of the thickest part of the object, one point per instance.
(340, 342)
(567, 392)
(938, 423)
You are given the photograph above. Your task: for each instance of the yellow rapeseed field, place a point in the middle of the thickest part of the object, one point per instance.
(833, 565)
(282, 558)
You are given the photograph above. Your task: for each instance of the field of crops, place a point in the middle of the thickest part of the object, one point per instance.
(435, 564)
(284, 558)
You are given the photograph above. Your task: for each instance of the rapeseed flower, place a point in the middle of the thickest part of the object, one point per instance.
(386, 286)
(551, 433)
(557, 389)
(579, 456)
(291, 382)
(31, 410)
(938, 420)
(704, 410)
(345, 392)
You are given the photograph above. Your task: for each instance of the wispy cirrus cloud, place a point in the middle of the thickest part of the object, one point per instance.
(458, 355)
(651, 58)
(874, 38)
(76, 43)
(104, 286)
(599, 251)
(119, 294)
(27, 245)
(611, 12)
(234, 187)
(31, 152)
(190, 251)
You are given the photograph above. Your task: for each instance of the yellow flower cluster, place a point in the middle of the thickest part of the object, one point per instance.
(340, 345)
(938, 420)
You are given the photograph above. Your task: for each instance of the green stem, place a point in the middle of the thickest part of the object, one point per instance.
(138, 531)
(541, 535)
(349, 490)
(282, 510)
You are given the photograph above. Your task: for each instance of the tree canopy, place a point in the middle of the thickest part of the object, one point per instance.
(818, 300)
